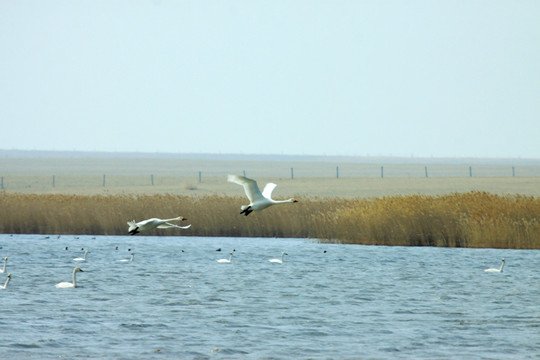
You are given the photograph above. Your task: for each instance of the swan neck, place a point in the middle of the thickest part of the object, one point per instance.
(74, 278)
(7, 282)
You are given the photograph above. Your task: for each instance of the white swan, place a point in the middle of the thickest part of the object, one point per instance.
(149, 224)
(128, 260)
(279, 261)
(258, 200)
(5, 264)
(226, 260)
(500, 270)
(3, 287)
(68, 284)
(83, 258)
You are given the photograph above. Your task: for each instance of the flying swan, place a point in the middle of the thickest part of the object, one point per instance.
(3, 287)
(66, 284)
(226, 260)
(149, 224)
(5, 264)
(500, 270)
(279, 261)
(258, 200)
(83, 258)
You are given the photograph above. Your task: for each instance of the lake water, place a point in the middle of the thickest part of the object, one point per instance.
(175, 301)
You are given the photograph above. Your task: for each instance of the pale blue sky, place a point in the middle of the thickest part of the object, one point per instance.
(394, 78)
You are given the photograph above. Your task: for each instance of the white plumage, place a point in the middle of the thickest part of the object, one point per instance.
(258, 200)
(153, 223)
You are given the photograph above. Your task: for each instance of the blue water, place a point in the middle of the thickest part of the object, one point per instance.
(175, 301)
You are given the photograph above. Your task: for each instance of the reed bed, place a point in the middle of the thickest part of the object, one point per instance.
(475, 219)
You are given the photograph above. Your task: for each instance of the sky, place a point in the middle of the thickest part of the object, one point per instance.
(361, 78)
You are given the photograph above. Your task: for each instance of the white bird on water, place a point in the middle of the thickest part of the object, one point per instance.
(500, 270)
(153, 223)
(128, 260)
(3, 287)
(258, 200)
(5, 264)
(83, 258)
(226, 260)
(279, 261)
(65, 284)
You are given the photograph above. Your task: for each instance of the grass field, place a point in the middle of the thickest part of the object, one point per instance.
(448, 208)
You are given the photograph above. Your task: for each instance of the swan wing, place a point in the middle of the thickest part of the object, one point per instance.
(267, 191)
(250, 187)
(169, 225)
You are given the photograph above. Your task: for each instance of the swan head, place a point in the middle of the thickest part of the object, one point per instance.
(78, 270)
(293, 200)
(9, 275)
(182, 218)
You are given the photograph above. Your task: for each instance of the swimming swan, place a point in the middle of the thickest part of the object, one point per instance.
(65, 284)
(496, 270)
(258, 200)
(128, 260)
(3, 287)
(84, 258)
(5, 264)
(279, 261)
(226, 260)
(149, 224)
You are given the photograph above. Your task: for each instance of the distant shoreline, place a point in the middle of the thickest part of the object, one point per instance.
(368, 159)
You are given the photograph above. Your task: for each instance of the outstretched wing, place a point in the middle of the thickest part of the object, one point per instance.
(267, 192)
(250, 187)
(169, 225)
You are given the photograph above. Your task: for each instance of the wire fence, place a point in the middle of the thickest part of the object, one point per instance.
(43, 182)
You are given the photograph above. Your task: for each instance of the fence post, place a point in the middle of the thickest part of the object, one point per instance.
(425, 169)
(470, 171)
(152, 179)
(382, 172)
(104, 181)
(513, 171)
(2, 183)
(53, 181)
(200, 177)
(244, 171)
(292, 174)
(337, 172)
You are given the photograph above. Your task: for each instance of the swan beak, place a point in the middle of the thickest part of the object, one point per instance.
(182, 218)
(294, 200)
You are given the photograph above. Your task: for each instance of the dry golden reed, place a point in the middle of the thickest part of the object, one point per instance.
(475, 219)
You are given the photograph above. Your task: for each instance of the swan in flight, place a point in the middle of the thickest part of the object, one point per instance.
(258, 200)
(496, 270)
(130, 259)
(5, 264)
(68, 284)
(226, 260)
(149, 224)
(3, 287)
(279, 261)
(83, 258)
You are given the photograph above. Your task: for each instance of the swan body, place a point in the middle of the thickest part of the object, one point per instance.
(153, 223)
(258, 200)
(3, 287)
(128, 260)
(279, 261)
(3, 270)
(499, 270)
(83, 258)
(65, 284)
(226, 260)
